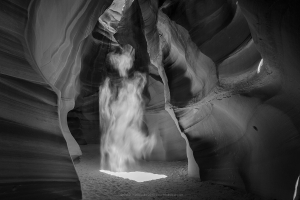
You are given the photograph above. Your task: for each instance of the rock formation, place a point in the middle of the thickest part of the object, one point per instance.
(222, 89)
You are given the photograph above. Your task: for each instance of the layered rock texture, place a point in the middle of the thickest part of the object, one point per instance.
(40, 64)
(222, 89)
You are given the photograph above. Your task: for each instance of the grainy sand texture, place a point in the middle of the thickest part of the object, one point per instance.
(177, 185)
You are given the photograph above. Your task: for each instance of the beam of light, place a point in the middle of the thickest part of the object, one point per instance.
(121, 109)
(136, 176)
(259, 65)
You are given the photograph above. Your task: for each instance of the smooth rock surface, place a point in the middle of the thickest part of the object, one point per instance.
(222, 89)
(240, 121)
(35, 161)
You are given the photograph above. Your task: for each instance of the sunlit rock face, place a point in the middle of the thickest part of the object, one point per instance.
(222, 76)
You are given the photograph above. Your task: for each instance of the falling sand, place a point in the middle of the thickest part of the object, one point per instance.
(177, 185)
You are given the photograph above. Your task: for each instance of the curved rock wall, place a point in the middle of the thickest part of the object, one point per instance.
(275, 29)
(40, 63)
(222, 74)
(35, 161)
(239, 113)
(55, 44)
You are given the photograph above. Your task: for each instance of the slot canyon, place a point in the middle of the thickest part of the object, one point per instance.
(205, 93)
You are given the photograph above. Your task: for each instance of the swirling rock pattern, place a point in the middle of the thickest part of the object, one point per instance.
(222, 74)
(236, 113)
(55, 35)
(40, 44)
(35, 161)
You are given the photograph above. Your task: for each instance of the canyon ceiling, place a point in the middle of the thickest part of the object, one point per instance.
(223, 89)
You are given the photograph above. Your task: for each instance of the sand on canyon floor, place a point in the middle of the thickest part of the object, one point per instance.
(177, 185)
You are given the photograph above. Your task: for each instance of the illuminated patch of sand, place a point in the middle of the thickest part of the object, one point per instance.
(136, 176)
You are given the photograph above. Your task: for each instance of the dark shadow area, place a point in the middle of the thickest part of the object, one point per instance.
(203, 19)
(178, 82)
